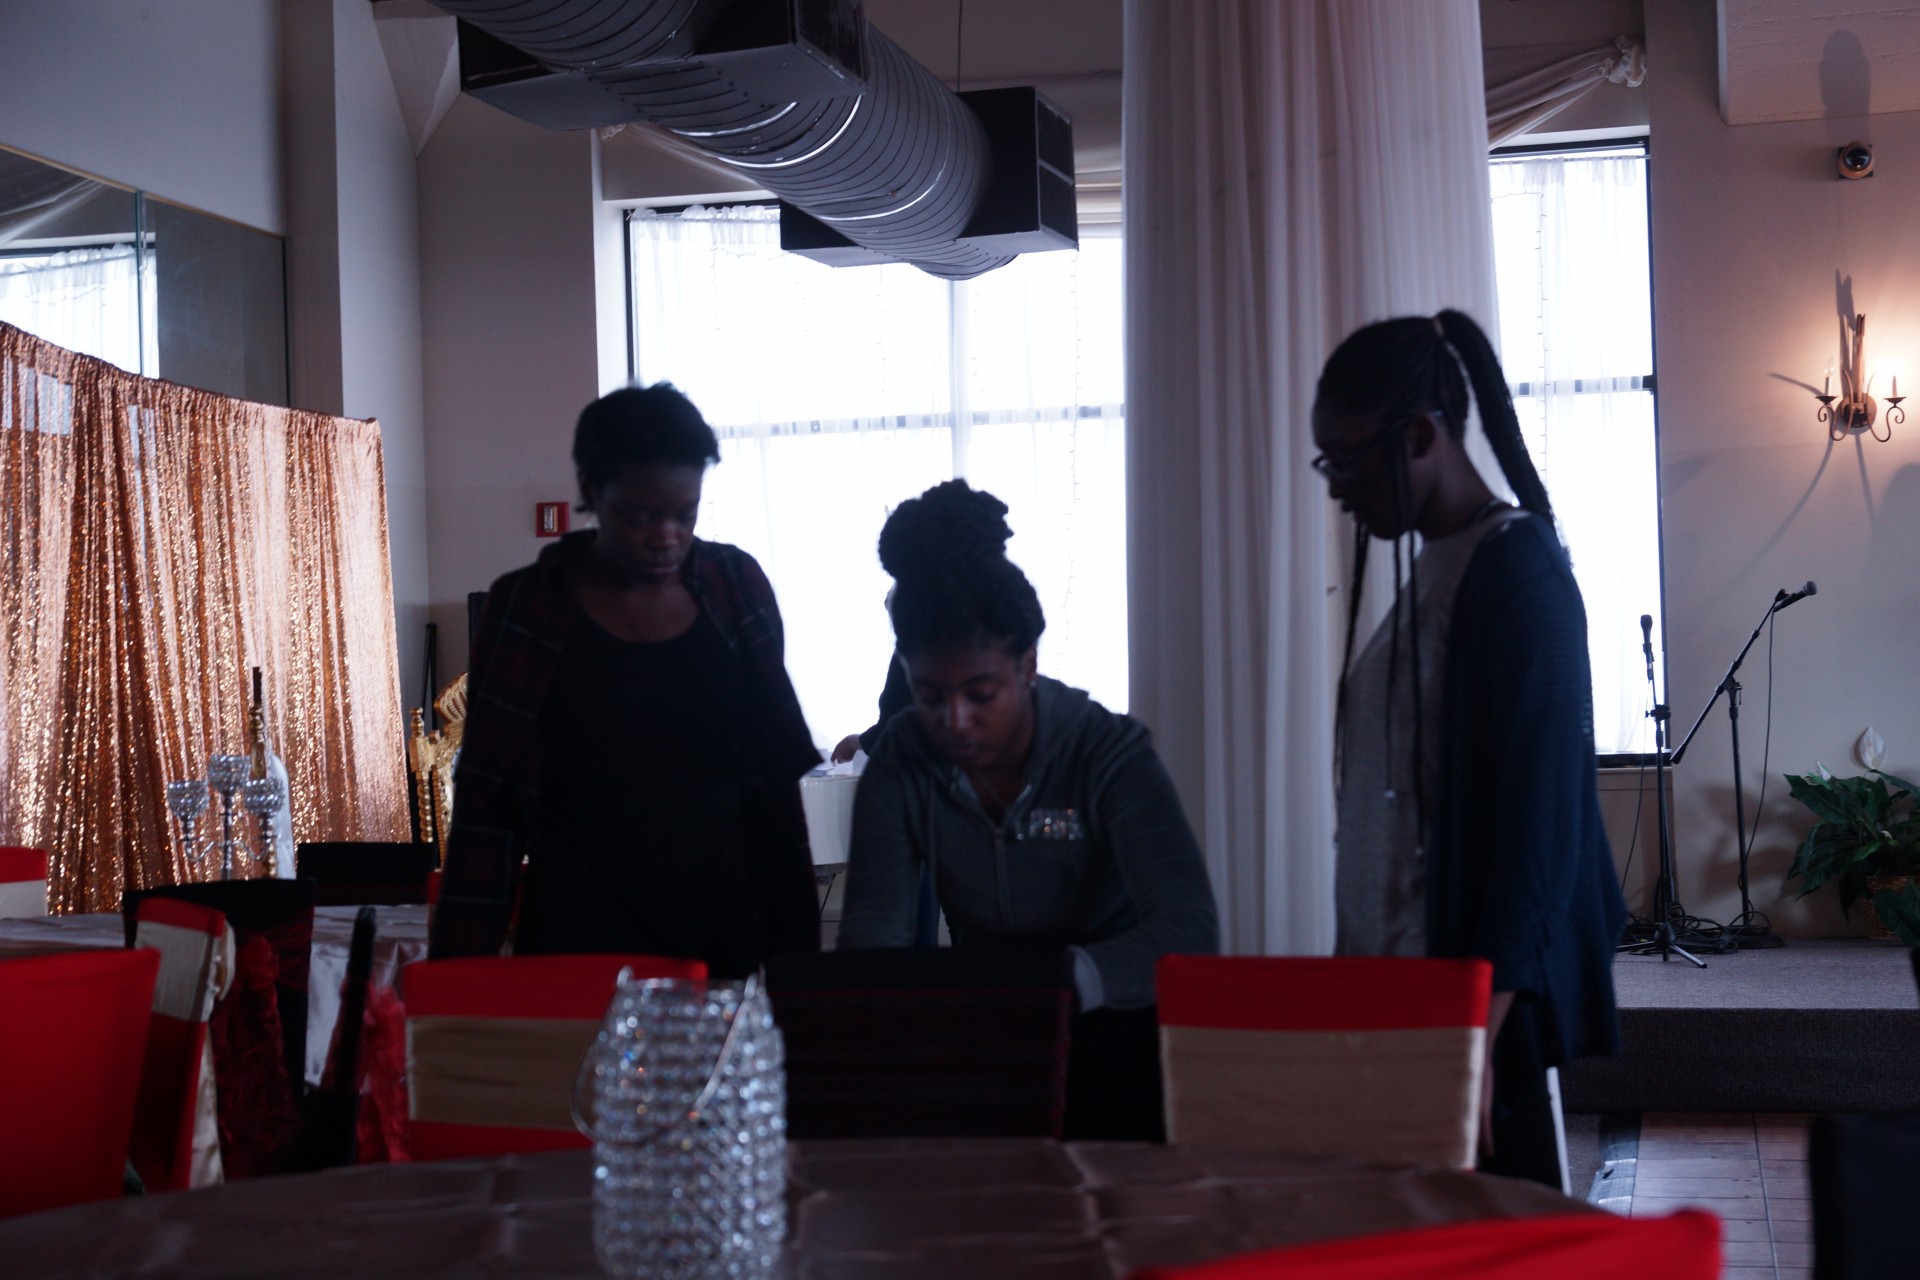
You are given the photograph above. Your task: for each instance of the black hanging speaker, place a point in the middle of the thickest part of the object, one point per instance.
(1029, 207)
(1029, 204)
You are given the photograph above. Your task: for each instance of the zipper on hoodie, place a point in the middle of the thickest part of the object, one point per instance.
(1002, 890)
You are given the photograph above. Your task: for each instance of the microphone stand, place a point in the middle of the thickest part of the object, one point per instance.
(1667, 911)
(1751, 930)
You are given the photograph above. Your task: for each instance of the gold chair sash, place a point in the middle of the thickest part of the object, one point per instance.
(1406, 1096)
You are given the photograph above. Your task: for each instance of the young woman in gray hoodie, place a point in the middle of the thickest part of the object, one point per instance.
(1040, 817)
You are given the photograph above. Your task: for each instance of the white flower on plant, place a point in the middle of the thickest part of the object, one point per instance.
(1871, 749)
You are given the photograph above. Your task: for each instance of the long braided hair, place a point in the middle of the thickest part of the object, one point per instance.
(1388, 372)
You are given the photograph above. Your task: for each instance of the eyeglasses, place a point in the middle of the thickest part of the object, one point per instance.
(1340, 466)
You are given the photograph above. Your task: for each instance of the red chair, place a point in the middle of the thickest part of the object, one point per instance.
(1588, 1246)
(76, 1027)
(196, 964)
(1375, 1058)
(494, 1044)
(23, 882)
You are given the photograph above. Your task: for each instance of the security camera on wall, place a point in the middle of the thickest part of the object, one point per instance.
(1855, 160)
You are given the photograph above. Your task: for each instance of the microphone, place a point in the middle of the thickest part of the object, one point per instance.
(1646, 641)
(1783, 597)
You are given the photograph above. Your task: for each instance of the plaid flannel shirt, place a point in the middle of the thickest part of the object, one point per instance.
(516, 651)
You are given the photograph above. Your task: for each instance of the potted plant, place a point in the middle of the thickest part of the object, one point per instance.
(1867, 841)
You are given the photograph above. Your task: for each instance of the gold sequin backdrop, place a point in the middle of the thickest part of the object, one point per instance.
(159, 543)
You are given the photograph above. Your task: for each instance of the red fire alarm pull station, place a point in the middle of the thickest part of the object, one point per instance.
(549, 519)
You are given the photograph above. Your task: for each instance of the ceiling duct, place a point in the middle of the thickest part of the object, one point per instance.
(804, 97)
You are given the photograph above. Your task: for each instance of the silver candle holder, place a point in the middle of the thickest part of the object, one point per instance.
(188, 800)
(262, 797)
(226, 774)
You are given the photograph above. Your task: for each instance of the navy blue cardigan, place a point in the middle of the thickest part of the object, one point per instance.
(1518, 868)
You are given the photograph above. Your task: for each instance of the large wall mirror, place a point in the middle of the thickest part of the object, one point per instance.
(155, 288)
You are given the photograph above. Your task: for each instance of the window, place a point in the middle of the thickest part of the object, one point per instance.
(838, 393)
(94, 299)
(1576, 338)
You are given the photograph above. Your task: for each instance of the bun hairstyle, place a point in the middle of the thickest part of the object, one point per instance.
(953, 584)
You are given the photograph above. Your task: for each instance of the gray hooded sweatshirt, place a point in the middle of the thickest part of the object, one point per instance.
(1095, 852)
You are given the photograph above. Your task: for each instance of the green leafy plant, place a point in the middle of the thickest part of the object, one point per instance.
(1867, 828)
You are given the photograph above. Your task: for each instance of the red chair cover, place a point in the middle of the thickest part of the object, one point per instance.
(494, 1043)
(1588, 1246)
(23, 882)
(383, 1133)
(76, 1028)
(1378, 1058)
(259, 1112)
(195, 956)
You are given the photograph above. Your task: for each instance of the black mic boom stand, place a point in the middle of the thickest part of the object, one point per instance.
(1664, 941)
(1750, 929)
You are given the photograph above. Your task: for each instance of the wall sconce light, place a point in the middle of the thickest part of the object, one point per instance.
(1853, 410)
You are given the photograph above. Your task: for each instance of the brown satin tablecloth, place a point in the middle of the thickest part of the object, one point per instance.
(907, 1209)
(400, 939)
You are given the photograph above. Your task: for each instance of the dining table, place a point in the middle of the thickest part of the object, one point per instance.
(858, 1209)
(400, 938)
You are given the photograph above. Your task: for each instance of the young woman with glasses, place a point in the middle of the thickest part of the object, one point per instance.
(1469, 822)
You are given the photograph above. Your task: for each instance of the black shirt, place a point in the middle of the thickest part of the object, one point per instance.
(639, 846)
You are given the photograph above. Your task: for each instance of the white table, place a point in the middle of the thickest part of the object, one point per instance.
(399, 940)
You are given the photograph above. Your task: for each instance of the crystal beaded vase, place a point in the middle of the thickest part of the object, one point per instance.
(687, 1083)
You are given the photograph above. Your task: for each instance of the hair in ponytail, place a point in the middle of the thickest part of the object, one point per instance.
(953, 584)
(1394, 369)
(1495, 400)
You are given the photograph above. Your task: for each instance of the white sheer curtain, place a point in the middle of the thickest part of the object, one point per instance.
(840, 392)
(87, 300)
(1295, 168)
(1577, 343)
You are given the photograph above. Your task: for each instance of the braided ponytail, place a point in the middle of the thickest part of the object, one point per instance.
(1497, 417)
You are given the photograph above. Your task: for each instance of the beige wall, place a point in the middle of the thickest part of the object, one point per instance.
(177, 97)
(353, 269)
(1750, 232)
(509, 304)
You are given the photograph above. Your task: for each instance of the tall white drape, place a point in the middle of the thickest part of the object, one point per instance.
(838, 393)
(86, 300)
(1295, 168)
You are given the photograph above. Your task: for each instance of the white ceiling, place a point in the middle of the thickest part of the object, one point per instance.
(1818, 59)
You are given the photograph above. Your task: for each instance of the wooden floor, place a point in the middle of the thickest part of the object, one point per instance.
(1750, 1169)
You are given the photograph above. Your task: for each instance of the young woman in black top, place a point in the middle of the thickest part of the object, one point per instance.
(632, 731)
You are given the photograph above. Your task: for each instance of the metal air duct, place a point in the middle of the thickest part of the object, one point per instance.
(889, 157)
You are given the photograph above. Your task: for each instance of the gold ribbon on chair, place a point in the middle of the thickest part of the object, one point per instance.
(1406, 1096)
(517, 1072)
